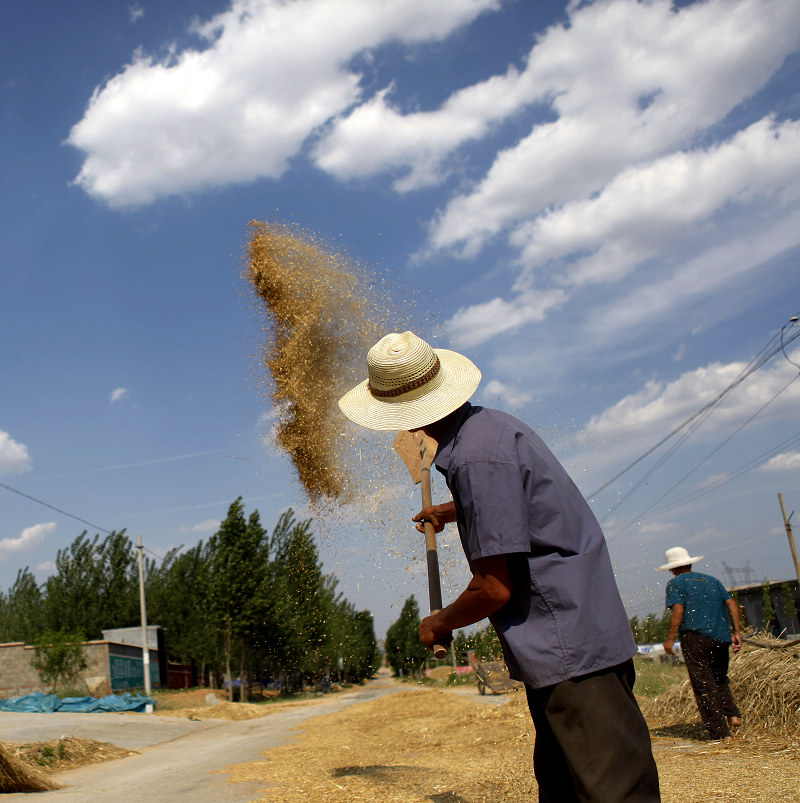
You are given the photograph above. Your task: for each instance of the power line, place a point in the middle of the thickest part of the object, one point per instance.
(730, 477)
(775, 344)
(733, 475)
(72, 516)
(704, 460)
(53, 507)
(724, 442)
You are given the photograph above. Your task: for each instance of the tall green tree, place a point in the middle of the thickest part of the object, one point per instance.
(95, 586)
(177, 599)
(487, 645)
(22, 609)
(304, 604)
(653, 629)
(788, 605)
(404, 651)
(238, 558)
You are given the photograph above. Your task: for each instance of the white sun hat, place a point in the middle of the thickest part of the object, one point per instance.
(410, 384)
(677, 556)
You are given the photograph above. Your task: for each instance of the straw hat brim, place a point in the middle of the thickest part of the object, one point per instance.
(677, 563)
(458, 379)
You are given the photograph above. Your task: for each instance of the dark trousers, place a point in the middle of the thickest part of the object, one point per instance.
(707, 662)
(592, 742)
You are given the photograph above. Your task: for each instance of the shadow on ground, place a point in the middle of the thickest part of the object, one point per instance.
(395, 774)
(682, 730)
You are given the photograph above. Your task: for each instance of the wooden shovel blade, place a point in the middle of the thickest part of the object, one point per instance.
(416, 450)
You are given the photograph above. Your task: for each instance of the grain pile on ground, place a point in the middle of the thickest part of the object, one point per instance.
(444, 746)
(765, 684)
(204, 704)
(321, 320)
(420, 745)
(19, 776)
(224, 710)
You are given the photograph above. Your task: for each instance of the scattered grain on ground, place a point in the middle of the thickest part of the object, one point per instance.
(441, 746)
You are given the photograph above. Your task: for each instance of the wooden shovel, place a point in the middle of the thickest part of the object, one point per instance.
(417, 450)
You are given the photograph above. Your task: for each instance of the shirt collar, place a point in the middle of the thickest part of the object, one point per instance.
(449, 436)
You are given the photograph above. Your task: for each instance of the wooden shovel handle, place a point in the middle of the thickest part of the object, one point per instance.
(441, 648)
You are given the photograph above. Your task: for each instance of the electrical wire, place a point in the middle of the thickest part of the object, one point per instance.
(730, 476)
(724, 443)
(72, 516)
(53, 507)
(704, 460)
(775, 344)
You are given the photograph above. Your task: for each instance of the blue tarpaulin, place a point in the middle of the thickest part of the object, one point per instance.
(38, 703)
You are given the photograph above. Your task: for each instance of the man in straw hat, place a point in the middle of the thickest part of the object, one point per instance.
(540, 569)
(698, 603)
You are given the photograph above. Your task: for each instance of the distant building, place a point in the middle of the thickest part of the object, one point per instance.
(782, 594)
(114, 664)
(126, 668)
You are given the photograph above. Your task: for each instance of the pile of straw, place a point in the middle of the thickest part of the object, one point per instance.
(17, 777)
(765, 682)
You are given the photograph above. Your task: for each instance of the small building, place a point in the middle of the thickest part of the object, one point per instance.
(114, 664)
(784, 597)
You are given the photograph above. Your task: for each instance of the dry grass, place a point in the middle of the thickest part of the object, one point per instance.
(66, 753)
(765, 684)
(17, 775)
(418, 745)
(443, 746)
(424, 745)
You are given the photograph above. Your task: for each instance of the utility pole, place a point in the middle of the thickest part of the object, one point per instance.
(143, 610)
(791, 538)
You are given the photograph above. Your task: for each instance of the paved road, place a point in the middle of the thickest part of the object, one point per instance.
(180, 759)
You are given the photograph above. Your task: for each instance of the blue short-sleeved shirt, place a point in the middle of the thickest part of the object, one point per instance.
(565, 617)
(703, 598)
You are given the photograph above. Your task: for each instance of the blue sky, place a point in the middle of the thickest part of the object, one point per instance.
(597, 202)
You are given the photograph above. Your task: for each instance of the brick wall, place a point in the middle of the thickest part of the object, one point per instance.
(18, 677)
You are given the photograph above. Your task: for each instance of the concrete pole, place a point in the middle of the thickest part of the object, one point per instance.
(143, 610)
(791, 538)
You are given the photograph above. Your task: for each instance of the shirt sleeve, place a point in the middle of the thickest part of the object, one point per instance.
(674, 595)
(494, 509)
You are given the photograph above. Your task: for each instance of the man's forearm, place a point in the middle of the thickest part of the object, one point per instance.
(733, 608)
(471, 606)
(487, 592)
(675, 620)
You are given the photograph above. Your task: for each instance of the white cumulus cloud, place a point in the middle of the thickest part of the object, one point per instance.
(511, 396)
(266, 75)
(28, 540)
(628, 82)
(14, 457)
(788, 461)
(658, 406)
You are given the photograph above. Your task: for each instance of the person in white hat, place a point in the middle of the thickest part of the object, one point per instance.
(540, 570)
(700, 605)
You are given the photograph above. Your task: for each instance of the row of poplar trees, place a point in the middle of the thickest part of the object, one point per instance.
(244, 604)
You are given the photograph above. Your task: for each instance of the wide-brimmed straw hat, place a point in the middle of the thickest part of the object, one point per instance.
(410, 384)
(677, 556)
